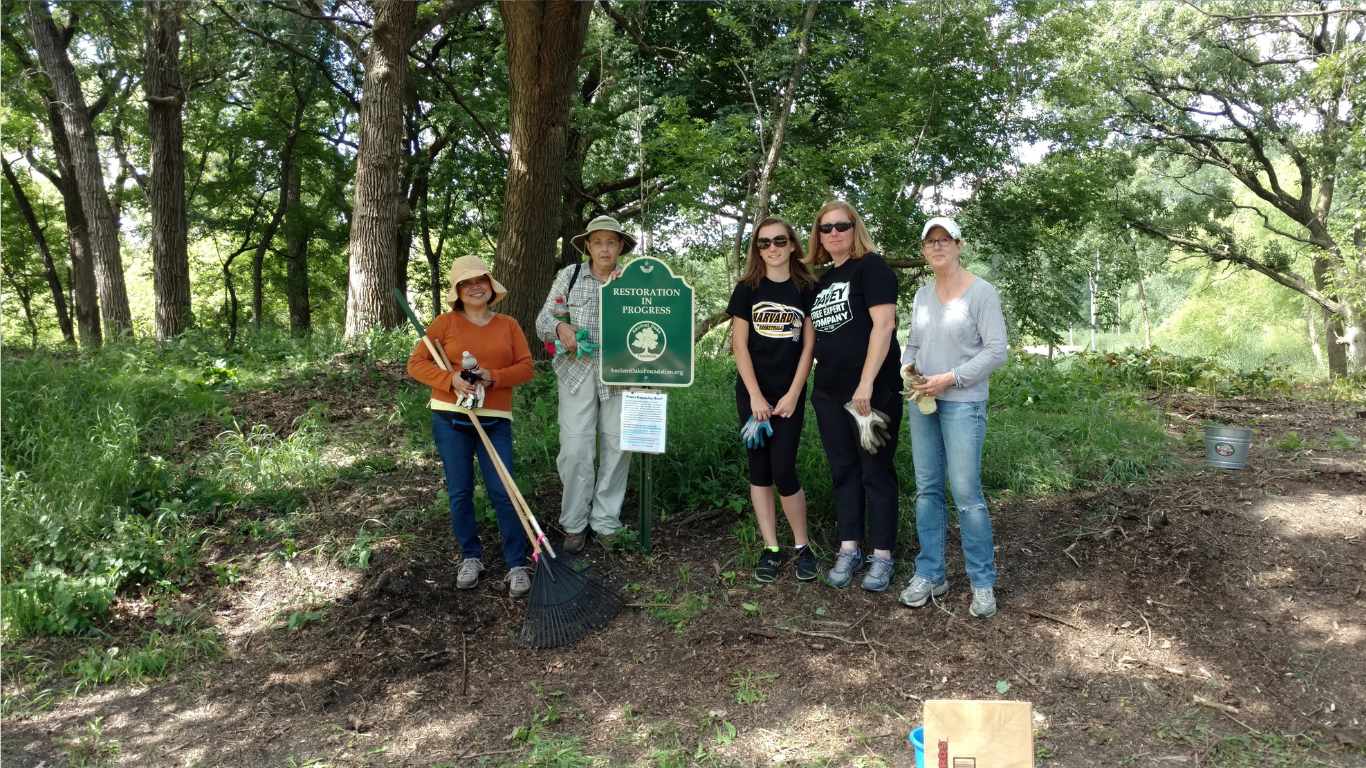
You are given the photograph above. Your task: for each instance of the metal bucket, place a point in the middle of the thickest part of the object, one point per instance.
(1226, 447)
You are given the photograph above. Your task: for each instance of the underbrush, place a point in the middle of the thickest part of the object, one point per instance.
(98, 494)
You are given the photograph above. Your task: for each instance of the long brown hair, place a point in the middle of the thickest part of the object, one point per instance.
(754, 263)
(863, 242)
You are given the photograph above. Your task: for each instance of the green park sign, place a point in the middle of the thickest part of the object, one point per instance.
(647, 327)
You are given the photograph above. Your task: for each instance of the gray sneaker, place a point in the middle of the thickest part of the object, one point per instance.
(920, 590)
(879, 573)
(983, 603)
(468, 575)
(846, 563)
(519, 581)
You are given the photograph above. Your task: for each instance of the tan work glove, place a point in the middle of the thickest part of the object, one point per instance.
(909, 377)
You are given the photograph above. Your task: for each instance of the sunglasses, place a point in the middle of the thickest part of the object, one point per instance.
(762, 243)
(836, 226)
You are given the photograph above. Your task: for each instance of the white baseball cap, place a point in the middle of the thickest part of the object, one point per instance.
(948, 224)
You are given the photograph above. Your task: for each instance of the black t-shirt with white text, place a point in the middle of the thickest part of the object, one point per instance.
(776, 313)
(843, 326)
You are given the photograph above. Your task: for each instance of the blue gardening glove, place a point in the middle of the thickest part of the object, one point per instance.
(756, 433)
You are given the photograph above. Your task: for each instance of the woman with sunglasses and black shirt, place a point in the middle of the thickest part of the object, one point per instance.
(857, 393)
(772, 340)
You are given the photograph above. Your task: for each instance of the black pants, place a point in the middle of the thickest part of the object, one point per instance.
(776, 462)
(861, 481)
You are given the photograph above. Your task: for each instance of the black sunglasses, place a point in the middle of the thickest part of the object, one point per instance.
(836, 226)
(762, 243)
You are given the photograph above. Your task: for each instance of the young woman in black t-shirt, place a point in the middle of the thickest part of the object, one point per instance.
(857, 394)
(772, 340)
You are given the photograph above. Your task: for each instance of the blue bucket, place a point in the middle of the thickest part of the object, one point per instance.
(917, 740)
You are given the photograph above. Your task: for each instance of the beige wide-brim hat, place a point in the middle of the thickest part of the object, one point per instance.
(468, 268)
(604, 224)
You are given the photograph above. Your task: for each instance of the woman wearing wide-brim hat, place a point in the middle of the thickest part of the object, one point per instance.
(500, 347)
(590, 412)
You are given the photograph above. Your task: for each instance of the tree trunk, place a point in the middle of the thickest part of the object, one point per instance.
(775, 147)
(297, 232)
(1147, 324)
(544, 39)
(166, 190)
(1333, 326)
(1312, 313)
(49, 269)
(377, 213)
(85, 161)
(83, 284)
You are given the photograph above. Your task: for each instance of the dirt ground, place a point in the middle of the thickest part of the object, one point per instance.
(1211, 617)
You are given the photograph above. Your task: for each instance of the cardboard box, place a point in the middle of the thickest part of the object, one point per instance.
(979, 734)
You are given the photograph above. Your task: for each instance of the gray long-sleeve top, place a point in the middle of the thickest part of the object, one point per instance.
(966, 336)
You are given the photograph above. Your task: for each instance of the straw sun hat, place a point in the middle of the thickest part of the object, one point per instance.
(468, 268)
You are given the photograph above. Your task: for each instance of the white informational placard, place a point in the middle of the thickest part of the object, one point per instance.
(644, 421)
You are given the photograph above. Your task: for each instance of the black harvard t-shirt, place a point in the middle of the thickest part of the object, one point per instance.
(843, 325)
(776, 313)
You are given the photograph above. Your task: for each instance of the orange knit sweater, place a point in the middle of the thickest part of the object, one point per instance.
(500, 347)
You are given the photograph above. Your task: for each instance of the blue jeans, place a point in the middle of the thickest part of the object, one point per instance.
(458, 443)
(949, 443)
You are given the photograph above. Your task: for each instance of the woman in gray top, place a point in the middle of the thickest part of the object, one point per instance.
(957, 338)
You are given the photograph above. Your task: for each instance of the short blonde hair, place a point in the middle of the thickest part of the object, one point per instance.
(863, 242)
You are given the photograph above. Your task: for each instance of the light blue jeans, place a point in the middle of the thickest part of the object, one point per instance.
(948, 444)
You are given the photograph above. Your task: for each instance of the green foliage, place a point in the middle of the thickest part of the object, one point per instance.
(1164, 372)
(1058, 427)
(90, 748)
(749, 686)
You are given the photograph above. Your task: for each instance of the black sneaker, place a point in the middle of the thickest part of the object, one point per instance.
(806, 564)
(770, 563)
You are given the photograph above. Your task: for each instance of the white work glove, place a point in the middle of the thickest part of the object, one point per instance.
(910, 377)
(872, 429)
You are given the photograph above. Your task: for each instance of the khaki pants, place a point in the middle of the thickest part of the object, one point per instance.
(591, 426)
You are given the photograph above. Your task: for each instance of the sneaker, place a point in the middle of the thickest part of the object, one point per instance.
(920, 590)
(879, 574)
(607, 540)
(468, 575)
(806, 564)
(770, 563)
(846, 563)
(519, 581)
(575, 542)
(983, 603)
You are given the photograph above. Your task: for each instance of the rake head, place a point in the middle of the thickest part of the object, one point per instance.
(565, 604)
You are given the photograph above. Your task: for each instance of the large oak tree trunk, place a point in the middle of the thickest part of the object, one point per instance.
(85, 161)
(54, 283)
(166, 189)
(544, 39)
(297, 231)
(379, 198)
(85, 295)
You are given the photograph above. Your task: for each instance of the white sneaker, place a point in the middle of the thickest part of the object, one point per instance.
(519, 581)
(468, 575)
(983, 603)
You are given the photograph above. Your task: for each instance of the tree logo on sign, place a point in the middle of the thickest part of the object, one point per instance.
(647, 341)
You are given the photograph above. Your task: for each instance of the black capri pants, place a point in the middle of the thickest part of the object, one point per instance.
(776, 462)
(863, 482)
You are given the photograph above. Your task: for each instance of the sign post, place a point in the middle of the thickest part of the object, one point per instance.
(647, 343)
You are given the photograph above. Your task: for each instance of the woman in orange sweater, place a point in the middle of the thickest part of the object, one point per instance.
(500, 348)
